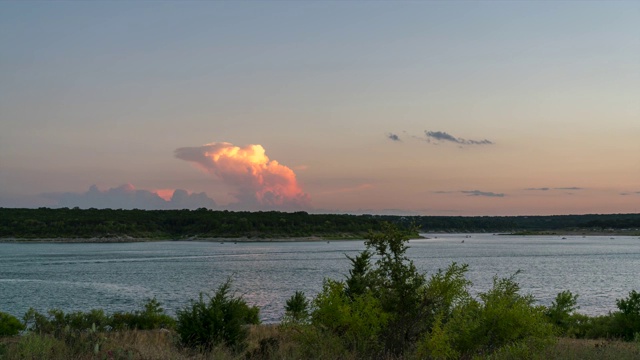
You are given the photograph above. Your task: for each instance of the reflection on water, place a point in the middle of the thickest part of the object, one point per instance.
(119, 277)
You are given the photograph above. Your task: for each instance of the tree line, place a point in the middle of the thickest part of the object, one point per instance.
(181, 224)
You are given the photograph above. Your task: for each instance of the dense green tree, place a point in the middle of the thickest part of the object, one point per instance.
(9, 325)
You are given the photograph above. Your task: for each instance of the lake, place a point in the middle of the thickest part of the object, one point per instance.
(121, 276)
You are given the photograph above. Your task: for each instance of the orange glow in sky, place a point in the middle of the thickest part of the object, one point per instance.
(249, 170)
(165, 194)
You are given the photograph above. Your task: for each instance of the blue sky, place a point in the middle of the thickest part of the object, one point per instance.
(103, 93)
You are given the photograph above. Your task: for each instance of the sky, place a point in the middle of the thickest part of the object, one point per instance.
(423, 108)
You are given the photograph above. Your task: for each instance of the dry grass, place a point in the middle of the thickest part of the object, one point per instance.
(264, 342)
(581, 349)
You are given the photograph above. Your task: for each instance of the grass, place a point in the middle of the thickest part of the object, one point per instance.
(265, 342)
(580, 349)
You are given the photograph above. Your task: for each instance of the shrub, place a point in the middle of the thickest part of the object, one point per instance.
(447, 290)
(9, 325)
(57, 323)
(152, 317)
(560, 313)
(385, 305)
(627, 320)
(506, 318)
(597, 327)
(297, 308)
(501, 320)
(220, 320)
(311, 342)
(437, 344)
(358, 322)
(394, 281)
(38, 323)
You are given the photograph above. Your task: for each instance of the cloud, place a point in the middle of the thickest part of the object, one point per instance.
(555, 188)
(443, 136)
(393, 137)
(630, 193)
(482, 193)
(471, 193)
(128, 197)
(258, 182)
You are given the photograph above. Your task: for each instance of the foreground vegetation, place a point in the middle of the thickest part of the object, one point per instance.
(46, 223)
(384, 309)
(263, 342)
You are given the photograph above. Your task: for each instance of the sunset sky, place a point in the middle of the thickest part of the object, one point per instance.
(429, 108)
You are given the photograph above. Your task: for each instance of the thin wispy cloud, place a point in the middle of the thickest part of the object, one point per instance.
(482, 193)
(471, 193)
(393, 137)
(555, 188)
(630, 193)
(441, 136)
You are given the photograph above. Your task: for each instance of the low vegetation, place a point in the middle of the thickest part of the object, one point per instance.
(220, 320)
(384, 309)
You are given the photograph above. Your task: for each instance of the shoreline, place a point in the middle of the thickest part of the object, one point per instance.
(113, 240)
(575, 233)
(244, 239)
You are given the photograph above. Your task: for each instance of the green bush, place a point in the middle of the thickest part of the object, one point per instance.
(311, 342)
(507, 317)
(152, 317)
(561, 312)
(394, 281)
(9, 325)
(358, 322)
(447, 289)
(596, 327)
(385, 305)
(220, 320)
(501, 320)
(627, 320)
(437, 344)
(57, 323)
(297, 308)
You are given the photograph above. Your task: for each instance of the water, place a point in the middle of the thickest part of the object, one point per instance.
(121, 276)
